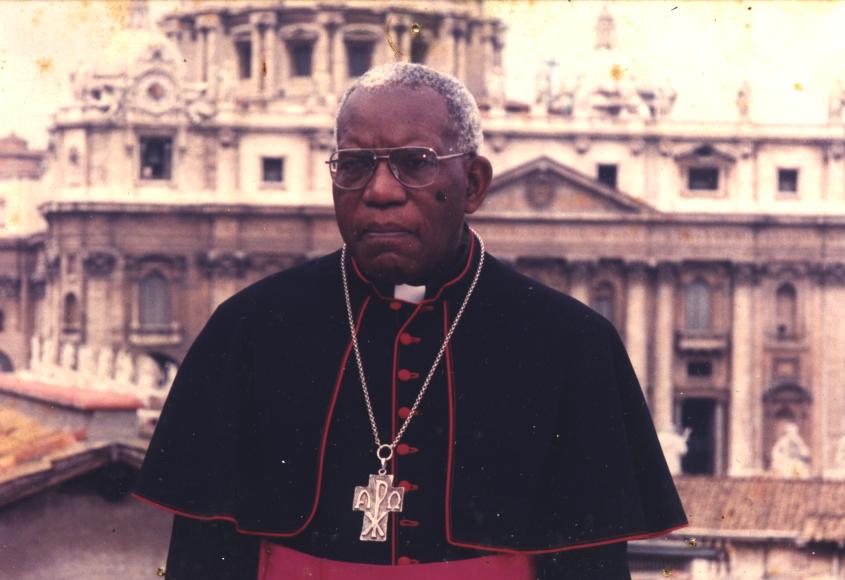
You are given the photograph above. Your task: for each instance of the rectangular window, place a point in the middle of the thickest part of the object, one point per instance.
(359, 57)
(699, 368)
(607, 174)
(787, 181)
(301, 55)
(419, 50)
(244, 49)
(272, 170)
(703, 179)
(699, 415)
(156, 157)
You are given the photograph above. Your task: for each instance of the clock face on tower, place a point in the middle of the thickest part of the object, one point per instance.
(155, 93)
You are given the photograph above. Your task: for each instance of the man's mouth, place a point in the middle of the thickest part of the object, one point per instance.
(384, 231)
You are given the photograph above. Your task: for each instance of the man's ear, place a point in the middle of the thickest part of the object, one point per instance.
(479, 175)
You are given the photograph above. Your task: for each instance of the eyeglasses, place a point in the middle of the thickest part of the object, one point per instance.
(411, 166)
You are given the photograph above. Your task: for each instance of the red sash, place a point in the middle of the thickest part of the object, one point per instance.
(280, 563)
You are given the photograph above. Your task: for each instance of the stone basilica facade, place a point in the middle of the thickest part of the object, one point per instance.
(191, 163)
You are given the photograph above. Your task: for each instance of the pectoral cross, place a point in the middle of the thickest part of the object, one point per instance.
(377, 500)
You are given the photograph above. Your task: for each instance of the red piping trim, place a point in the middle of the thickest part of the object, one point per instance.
(394, 463)
(451, 397)
(427, 300)
(323, 443)
(449, 468)
(604, 542)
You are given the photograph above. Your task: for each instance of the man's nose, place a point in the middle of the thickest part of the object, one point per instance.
(383, 188)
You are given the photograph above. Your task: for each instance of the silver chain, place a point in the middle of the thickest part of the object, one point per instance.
(437, 358)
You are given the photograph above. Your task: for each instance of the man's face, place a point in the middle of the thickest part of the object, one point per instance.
(399, 234)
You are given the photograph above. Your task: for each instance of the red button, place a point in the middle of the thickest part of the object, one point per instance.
(405, 560)
(395, 305)
(403, 449)
(404, 412)
(406, 338)
(409, 523)
(406, 375)
(408, 486)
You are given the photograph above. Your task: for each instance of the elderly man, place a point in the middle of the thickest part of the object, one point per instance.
(407, 407)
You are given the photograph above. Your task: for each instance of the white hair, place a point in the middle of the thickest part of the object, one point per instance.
(461, 105)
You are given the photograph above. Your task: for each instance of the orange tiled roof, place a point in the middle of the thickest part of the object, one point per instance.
(806, 510)
(24, 440)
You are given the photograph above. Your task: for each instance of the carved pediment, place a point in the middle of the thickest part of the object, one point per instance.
(545, 186)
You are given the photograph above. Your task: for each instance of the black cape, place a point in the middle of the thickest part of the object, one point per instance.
(544, 441)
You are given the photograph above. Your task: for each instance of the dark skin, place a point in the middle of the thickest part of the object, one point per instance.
(401, 235)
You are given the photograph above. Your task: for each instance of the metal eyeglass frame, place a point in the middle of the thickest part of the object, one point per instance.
(393, 171)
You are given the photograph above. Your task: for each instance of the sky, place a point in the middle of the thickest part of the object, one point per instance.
(789, 52)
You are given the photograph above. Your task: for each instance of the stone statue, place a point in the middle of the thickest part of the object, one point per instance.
(743, 100)
(839, 458)
(50, 354)
(86, 364)
(496, 88)
(199, 106)
(790, 454)
(170, 370)
(543, 87)
(34, 353)
(674, 446)
(105, 365)
(124, 371)
(563, 101)
(148, 373)
(837, 101)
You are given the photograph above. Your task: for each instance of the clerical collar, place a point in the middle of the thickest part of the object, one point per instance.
(432, 287)
(409, 293)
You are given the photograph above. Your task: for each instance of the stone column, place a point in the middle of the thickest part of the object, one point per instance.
(448, 41)
(228, 162)
(664, 349)
(400, 31)
(324, 55)
(741, 434)
(459, 37)
(834, 190)
(833, 368)
(263, 52)
(579, 281)
(637, 321)
(271, 56)
(338, 59)
(257, 63)
(98, 268)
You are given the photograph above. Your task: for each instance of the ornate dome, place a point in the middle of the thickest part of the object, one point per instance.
(610, 84)
(136, 45)
(141, 68)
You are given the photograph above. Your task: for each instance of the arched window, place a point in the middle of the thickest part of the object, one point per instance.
(697, 306)
(5, 363)
(603, 300)
(72, 317)
(154, 300)
(786, 310)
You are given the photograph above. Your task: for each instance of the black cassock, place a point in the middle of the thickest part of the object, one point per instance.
(533, 437)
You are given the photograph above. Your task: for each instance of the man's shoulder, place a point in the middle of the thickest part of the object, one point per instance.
(531, 302)
(294, 288)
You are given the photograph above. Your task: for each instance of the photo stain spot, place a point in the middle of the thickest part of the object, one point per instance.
(45, 65)
(692, 543)
(798, 87)
(667, 572)
(416, 28)
(617, 72)
(160, 572)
